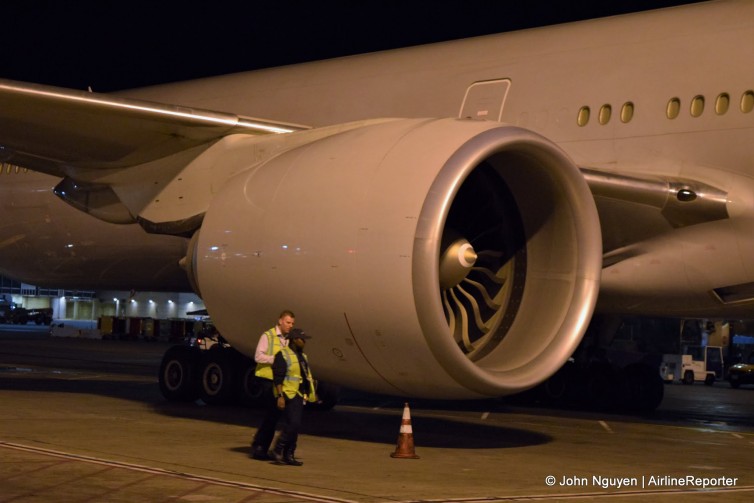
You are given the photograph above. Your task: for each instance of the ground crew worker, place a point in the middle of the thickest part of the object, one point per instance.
(270, 343)
(294, 386)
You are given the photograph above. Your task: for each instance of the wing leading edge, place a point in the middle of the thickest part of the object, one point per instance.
(57, 131)
(102, 146)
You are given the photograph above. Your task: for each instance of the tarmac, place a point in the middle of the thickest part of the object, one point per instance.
(83, 420)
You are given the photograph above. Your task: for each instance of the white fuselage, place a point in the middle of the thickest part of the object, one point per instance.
(637, 64)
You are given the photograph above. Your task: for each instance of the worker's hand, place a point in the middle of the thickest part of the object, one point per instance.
(281, 402)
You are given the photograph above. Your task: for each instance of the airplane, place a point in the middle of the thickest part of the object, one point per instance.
(445, 219)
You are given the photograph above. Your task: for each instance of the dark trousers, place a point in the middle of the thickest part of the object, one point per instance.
(266, 431)
(294, 409)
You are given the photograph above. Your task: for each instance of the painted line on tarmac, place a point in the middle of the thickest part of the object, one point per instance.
(589, 495)
(171, 473)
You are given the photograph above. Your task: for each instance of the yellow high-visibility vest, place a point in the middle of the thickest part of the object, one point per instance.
(293, 375)
(264, 370)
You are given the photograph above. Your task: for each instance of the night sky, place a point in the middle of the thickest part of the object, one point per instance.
(112, 45)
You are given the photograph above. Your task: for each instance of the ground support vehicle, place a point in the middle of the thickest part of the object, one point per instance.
(741, 373)
(698, 363)
(22, 316)
(13, 313)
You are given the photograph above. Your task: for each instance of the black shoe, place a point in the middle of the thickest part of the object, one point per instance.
(290, 459)
(259, 452)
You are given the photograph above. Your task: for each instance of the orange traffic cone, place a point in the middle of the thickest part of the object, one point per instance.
(405, 446)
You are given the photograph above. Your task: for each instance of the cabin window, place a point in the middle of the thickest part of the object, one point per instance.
(627, 112)
(673, 108)
(8, 168)
(697, 106)
(605, 113)
(747, 102)
(722, 103)
(583, 117)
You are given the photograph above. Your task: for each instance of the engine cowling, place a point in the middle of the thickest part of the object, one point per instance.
(437, 258)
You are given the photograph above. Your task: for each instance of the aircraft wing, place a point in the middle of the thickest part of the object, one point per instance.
(89, 140)
(52, 130)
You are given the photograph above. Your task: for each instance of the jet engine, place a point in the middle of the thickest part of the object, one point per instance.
(434, 258)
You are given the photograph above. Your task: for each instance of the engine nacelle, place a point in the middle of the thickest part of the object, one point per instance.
(435, 258)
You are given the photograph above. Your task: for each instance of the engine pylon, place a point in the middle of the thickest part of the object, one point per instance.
(405, 446)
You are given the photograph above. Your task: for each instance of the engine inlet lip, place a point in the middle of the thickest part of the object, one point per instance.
(480, 376)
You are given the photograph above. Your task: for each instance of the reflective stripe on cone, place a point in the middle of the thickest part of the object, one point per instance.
(405, 445)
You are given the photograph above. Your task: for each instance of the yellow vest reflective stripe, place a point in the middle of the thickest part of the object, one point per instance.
(293, 375)
(264, 370)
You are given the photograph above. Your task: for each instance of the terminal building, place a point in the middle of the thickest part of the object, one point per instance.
(134, 314)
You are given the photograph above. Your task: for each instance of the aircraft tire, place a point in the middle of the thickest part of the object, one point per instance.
(557, 389)
(249, 392)
(644, 388)
(601, 385)
(216, 377)
(177, 374)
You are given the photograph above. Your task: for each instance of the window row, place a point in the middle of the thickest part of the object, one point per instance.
(672, 110)
(8, 168)
(605, 114)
